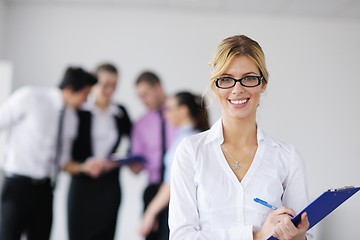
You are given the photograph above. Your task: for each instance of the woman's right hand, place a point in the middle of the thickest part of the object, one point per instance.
(272, 220)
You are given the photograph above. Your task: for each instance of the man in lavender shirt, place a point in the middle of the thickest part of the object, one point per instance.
(151, 136)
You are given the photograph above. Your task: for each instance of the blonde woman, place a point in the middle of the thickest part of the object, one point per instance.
(217, 174)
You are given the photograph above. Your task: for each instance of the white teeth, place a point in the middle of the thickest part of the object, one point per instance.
(239, 101)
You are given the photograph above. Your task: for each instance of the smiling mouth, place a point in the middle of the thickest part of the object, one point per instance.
(239, 102)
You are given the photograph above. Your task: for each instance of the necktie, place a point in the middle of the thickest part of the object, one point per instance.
(58, 146)
(163, 145)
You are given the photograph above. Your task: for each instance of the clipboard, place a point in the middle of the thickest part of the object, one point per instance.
(128, 159)
(324, 205)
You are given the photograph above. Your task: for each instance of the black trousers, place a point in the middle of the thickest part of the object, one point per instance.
(163, 230)
(93, 205)
(26, 208)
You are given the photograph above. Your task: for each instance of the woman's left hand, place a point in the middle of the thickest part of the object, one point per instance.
(109, 165)
(286, 230)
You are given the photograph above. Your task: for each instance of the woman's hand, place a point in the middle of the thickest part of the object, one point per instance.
(93, 167)
(148, 224)
(286, 230)
(109, 165)
(278, 224)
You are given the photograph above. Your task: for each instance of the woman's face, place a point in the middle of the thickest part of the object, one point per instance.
(173, 112)
(106, 85)
(240, 102)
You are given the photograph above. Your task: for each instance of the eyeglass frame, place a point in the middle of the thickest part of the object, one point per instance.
(260, 79)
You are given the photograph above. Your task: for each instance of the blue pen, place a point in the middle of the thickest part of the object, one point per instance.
(262, 202)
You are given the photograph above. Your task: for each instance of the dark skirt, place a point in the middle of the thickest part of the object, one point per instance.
(93, 206)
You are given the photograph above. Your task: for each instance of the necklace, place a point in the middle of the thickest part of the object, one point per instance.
(236, 164)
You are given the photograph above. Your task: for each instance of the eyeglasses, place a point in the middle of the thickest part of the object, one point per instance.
(229, 82)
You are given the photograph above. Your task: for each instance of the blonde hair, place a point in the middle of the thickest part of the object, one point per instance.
(238, 45)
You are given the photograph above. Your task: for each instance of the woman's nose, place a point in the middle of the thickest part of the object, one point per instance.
(238, 88)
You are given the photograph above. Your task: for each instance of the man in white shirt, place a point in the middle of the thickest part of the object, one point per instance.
(41, 124)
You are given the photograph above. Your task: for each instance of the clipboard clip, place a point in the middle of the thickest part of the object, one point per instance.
(339, 189)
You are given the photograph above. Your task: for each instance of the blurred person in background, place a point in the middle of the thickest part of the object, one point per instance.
(152, 135)
(187, 112)
(94, 193)
(41, 124)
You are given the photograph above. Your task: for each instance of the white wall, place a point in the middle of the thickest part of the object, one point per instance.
(311, 99)
(2, 27)
(5, 90)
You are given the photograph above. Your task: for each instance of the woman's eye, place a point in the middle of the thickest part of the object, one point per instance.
(226, 79)
(251, 78)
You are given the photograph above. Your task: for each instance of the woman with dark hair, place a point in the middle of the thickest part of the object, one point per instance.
(94, 192)
(187, 112)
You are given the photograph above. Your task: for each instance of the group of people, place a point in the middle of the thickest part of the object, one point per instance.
(77, 128)
(201, 180)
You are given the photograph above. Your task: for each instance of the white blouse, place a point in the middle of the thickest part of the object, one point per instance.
(104, 130)
(207, 200)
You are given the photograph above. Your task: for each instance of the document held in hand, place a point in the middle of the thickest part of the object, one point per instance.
(324, 205)
(130, 159)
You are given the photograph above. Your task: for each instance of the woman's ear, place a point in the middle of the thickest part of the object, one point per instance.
(263, 88)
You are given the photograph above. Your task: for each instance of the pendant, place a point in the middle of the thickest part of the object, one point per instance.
(236, 166)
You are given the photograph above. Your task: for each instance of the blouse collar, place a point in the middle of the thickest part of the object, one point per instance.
(91, 106)
(216, 134)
